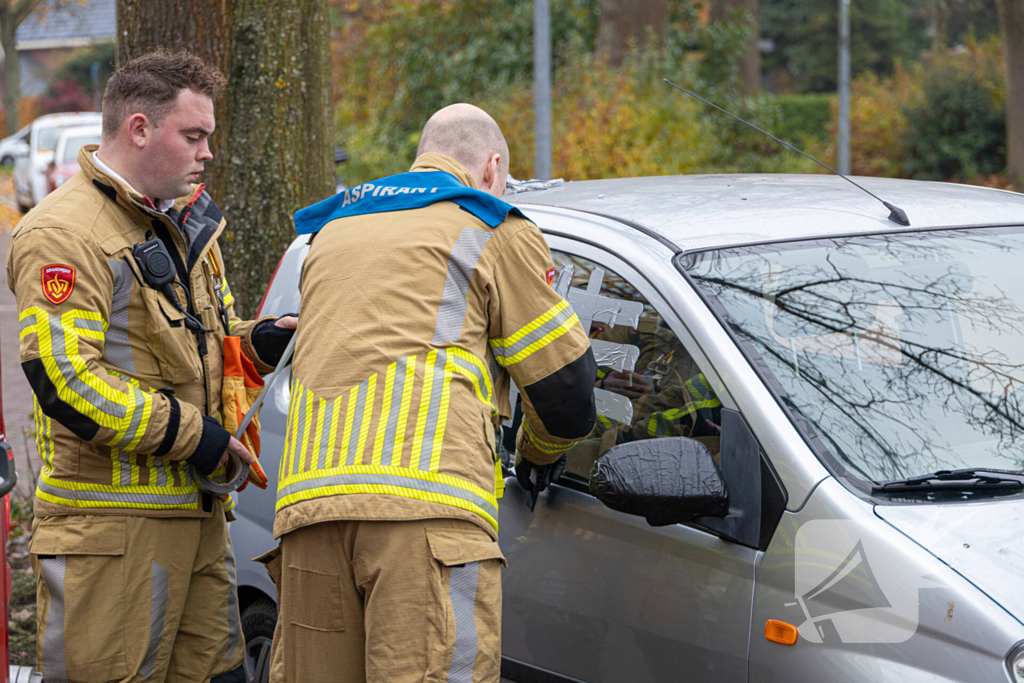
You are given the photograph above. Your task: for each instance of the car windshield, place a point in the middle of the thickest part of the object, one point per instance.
(72, 145)
(897, 354)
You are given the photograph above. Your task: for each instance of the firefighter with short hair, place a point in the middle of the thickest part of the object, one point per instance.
(124, 308)
(421, 294)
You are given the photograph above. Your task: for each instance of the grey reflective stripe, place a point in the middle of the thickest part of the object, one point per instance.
(133, 426)
(233, 624)
(357, 423)
(462, 591)
(88, 324)
(125, 459)
(396, 407)
(161, 473)
(157, 612)
(194, 226)
(60, 356)
(434, 411)
(325, 434)
(395, 480)
(535, 335)
(461, 263)
(120, 496)
(485, 386)
(495, 369)
(53, 637)
(300, 433)
(116, 345)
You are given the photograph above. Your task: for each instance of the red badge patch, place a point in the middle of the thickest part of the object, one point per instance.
(58, 282)
(550, 276)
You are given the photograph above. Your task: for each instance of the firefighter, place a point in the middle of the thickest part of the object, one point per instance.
(421, 294)
(124, 307)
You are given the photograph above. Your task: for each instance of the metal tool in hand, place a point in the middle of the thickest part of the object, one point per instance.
(242, 467)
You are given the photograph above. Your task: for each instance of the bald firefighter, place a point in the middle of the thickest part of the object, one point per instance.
(124, 307)
(421, 294)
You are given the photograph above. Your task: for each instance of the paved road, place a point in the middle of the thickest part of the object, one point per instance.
(17, 394)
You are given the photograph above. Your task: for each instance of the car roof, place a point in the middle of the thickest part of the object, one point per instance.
(82, 131)
(703, 211)
(67, 118)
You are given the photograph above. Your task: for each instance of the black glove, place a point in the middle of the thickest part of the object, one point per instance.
(546, 474)
(269, 340)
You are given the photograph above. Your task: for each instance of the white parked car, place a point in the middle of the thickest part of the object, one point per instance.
(30, 170)
(14, 146)
(65, 159)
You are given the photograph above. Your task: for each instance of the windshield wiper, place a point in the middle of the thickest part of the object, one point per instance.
(975, 478)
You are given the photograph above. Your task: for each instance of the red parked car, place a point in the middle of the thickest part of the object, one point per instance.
(65, 157)
(8, 478)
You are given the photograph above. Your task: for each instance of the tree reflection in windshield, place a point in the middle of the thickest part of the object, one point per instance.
(903, 351)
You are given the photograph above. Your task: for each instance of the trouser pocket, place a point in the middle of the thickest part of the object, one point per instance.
(81, 606)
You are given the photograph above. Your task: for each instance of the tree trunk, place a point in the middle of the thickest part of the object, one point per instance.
(1011, 25)
(274, 145)
(626, 21)
(12, 70)
(750, 63)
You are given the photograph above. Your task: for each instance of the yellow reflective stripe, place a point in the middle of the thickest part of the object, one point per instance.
(659, 421)
(442, 417)
(332, 439)
(294, 429)
(231, 325)
(90, 395)
(395, 481)
(229, 504)
(545, 446)
(320, 410)
(605, 422)
(364, 427)
(303, 433)
(82, 495)
(484, 391)
(421, 421)
(530, 327)
(403, 412)
(389, 385)
(540, 343)
(229, 298)
(350, 417)
(704, 392)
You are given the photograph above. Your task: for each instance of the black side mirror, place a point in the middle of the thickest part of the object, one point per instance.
(666, 481)
(8, 474)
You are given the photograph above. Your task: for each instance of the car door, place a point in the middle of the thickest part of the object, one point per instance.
(591, 594)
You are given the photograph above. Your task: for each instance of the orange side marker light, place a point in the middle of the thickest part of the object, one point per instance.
(780, 632)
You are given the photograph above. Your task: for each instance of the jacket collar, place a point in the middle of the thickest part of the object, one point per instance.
(432, 161)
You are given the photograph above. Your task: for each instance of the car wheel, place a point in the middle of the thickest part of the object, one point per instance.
(7, 161)
(258, 621)
(22, 208)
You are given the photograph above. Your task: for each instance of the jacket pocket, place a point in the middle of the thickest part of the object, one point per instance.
(172, 344)
(456, 548)
(313, 599)
(82, 617)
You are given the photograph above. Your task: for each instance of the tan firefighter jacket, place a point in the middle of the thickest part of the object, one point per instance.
(120, 383)
(411, 323)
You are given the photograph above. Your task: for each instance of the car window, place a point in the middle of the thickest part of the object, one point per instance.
(649, 385)
(48, 137)
(73, 145)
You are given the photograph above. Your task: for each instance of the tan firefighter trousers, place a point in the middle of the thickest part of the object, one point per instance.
(387, 602)
(135, 598)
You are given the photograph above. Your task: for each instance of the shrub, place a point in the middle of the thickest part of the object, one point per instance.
(958, 130)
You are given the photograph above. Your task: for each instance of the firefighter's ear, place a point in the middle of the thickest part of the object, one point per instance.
(493, 184)
(139, 129)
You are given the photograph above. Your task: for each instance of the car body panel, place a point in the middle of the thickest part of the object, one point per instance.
(961, 635)
(593, 594)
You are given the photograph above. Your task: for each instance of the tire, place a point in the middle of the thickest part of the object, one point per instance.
(258, 621)
(7, 161)
(22, 208)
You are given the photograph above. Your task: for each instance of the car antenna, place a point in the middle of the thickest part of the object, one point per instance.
(896, 214)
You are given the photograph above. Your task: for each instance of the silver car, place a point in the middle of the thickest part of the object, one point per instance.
(808, 462)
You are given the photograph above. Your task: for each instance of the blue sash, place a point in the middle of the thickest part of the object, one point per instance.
(413, 190)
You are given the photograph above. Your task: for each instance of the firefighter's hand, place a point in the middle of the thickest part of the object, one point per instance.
(545, 474)
(288, 322)
(235, 446)
(629, 384)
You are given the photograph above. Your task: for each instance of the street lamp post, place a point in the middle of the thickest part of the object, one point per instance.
(542, 88)
(844, 87)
